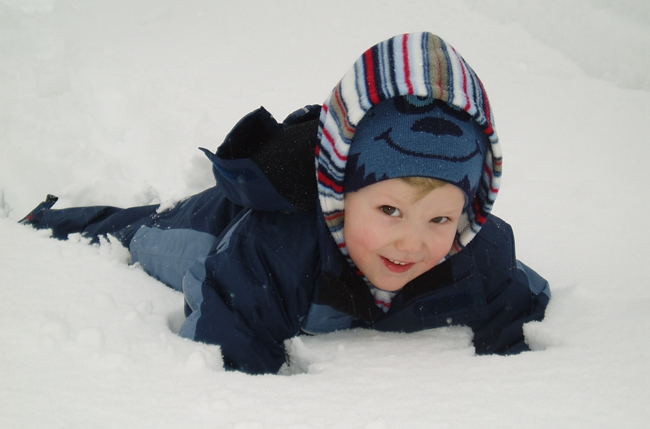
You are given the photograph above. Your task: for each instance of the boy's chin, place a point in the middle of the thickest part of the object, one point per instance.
(388, 282)
(391, 287)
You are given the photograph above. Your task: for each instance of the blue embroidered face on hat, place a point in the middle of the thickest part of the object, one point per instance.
(416, 136)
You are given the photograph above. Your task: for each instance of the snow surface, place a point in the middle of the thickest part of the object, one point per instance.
(105, 102)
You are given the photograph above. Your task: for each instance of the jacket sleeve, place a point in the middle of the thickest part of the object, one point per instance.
(253, 289)
(515, 295)
(93, 221)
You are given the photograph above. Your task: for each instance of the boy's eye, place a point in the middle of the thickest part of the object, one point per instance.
(440, 219)
(391, 211)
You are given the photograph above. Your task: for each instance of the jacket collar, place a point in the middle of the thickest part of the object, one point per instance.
(269, 166)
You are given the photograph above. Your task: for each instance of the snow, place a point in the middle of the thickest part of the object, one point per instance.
(105, 102)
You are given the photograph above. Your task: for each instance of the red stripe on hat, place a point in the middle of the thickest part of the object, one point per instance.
(370, 77)
(487, 169)
(407, 68)
(330, 139)
(381, 302)
(334, 216)
(480, 218)
(322, 178)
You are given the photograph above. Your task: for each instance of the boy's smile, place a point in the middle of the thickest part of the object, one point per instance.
(393, 237)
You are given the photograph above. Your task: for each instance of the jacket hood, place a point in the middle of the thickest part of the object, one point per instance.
(269, 166)
(419, 64)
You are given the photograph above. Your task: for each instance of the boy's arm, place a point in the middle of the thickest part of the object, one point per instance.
(529, 295)
(210, 319)
(253, 289)
(515, 294)
(91, 221)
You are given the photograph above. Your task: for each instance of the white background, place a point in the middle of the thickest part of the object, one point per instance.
(106, 102)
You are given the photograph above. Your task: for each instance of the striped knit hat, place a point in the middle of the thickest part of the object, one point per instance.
(420, 64)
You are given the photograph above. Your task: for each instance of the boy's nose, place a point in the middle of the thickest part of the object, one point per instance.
(410, 241)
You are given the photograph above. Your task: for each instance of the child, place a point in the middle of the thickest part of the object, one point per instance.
(391, 232)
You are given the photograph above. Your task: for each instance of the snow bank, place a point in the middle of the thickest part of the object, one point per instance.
(607, 39)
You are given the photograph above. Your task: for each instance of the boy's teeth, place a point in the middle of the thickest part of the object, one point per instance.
(397, 262)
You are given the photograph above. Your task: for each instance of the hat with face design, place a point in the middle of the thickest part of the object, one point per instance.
(416, 136)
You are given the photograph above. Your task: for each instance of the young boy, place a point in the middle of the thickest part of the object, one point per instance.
(391, 232)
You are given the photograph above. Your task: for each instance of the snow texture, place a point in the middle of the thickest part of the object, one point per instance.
(106, 102)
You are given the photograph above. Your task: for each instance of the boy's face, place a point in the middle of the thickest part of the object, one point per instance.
(394, 238)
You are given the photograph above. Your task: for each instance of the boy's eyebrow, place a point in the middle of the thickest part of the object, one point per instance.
(393, 201)
(445, 207)
(392, 197)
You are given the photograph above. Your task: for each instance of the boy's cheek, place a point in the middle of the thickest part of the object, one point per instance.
(360, 242)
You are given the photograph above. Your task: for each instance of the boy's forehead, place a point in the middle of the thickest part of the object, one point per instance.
(401, 194)
(400, 188)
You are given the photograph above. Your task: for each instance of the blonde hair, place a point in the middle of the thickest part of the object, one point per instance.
(423, 185)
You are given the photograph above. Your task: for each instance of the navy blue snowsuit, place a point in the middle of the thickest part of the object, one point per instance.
(258, 265)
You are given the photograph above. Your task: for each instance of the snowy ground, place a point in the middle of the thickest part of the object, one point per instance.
(105, 102)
